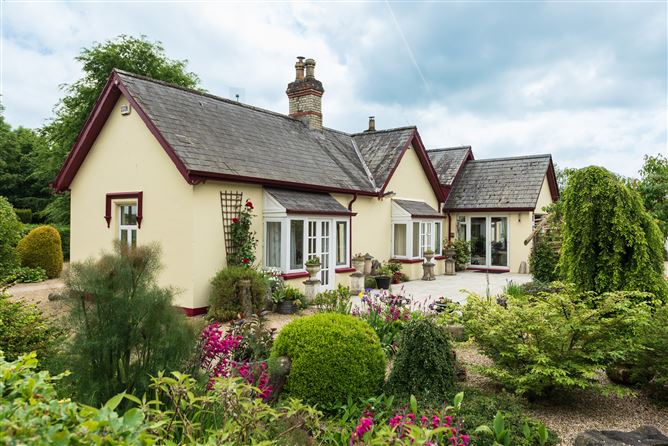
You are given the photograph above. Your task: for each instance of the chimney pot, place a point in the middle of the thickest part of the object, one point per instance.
(299, 68)
(310, 68)
(372, 124)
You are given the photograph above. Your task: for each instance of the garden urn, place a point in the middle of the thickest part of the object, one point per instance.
(313, 269)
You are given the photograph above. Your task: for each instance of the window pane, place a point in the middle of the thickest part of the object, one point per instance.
(124, 236)
(273, 244)
(129, 215)
(416, 239)
(312, 238)
(133, 237)
(342, 242)
(499, 239)
(399, 240)
(296, 244)
(461, 228)
(438, 243)
(478, 241)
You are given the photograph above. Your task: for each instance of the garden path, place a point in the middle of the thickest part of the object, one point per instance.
(457, 287)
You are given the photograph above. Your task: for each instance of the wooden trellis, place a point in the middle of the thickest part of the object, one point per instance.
(230, 204)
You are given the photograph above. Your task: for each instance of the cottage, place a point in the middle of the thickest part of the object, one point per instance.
(159, 163)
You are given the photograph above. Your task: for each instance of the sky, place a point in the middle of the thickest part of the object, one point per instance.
(583, 80)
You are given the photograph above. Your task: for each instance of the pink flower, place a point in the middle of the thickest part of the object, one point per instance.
(465, 439)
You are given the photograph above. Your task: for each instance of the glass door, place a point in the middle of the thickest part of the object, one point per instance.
(498, 241)
(319, 243)
(478, 239)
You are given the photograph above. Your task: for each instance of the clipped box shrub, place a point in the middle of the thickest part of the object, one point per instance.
(24, 215)
(334, 357)
(10, 234)
(424, 366)
(42, 248)
(225, 298)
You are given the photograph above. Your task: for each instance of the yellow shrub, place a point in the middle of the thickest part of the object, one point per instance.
(42, 248)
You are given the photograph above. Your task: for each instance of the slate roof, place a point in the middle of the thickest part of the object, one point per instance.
(218, 136)
(307, 202)
(418, 209)
(501, 183)
(379, 150)
(447, 162)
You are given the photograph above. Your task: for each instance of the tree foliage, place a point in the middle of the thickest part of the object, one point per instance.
(124, 325)
(653, 188)
(610, 242)
(17, 184)
(10, 234)
(137, 55)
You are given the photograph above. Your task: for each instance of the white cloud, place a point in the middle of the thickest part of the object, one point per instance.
(561, 105)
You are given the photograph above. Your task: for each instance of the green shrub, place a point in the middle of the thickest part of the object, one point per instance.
(610, 242)
(24, 215)
(424, 366)
(10, 234)
(462, 253)
(334, 357)
(480, 408)
(42, 248)
(543, 259)
(225, 297)
(554, 340)
(33, 412)
(334, 301)
(124, 326)
(649, 363)
(63, 230)
(288, 292)
(23, 329)
(24, 274)
(370, 283)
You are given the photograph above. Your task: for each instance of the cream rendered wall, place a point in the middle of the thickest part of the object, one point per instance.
(544, 198)
(127, 158)
(372, 225)
(208, 235)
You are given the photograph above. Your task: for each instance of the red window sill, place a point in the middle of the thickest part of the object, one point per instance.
(297, 275)
(345, 269)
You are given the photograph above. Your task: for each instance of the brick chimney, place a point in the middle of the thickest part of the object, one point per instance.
(305, 94)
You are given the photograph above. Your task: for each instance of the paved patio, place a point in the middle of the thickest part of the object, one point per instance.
(457, 287)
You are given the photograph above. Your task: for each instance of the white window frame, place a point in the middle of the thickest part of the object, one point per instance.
(282, 245)
(427, 236)
(286, 223)
(488, 233)
(129, 228)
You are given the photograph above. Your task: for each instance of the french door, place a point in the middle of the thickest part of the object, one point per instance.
(488, 237)
(319, 243)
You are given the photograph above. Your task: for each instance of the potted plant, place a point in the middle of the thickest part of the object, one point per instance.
(313, 265)
(384, 277)
(288, 299)
(428, 255)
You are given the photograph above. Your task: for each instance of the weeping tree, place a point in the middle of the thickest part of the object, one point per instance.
(610, 242)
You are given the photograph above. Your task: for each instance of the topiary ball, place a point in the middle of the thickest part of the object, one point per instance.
(334, 356)
(42, 248)
(424, 365)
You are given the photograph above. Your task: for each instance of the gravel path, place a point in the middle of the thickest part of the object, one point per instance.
(579, 411)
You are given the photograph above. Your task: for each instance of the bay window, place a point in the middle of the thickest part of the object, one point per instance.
(412, 238)
(289, 241)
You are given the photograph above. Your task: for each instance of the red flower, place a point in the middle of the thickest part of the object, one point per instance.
(235, 220)
(246, 260)
(249, 204)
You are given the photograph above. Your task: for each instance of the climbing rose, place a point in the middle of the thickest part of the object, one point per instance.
(249, 204)
(246, 260)
(235, 220)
